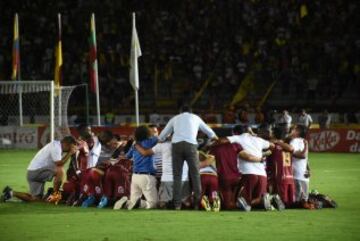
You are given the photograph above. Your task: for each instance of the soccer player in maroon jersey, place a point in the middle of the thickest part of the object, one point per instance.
(117, 179)
(78, 165)
(226, 155)
(280, 168)
(116, 182)
(91, 183)
(228, 173)
(209, 182)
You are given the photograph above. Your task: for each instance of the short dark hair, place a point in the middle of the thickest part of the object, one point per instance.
(83, 126)
(153, 125)
(105, 137)
(69, 140)
(302, 131)
(279, 132)
(142, 133)
(264, 130)
(185, 108)
(240, 129)
(85, 135)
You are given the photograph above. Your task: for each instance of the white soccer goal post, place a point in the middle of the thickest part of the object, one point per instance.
(35, 103)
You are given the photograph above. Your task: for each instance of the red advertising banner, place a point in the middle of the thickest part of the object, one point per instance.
(334, 140)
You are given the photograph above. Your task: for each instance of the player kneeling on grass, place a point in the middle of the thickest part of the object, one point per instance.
(116, 182)
(300, 166)
(253, 192)
(85, 158)
(281, 180)
(210, 200)
(164, 150)
(47, 164)
(143, 181)
(92, 180)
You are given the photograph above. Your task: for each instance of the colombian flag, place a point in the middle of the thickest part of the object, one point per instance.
(16, 51)
(58, 57)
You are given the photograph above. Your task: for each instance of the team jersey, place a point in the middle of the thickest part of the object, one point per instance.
(94, 153)
(279, 165)
(299, 165)
(253, 145)
(157, 163)
(226, 156)
(78, 161)
(164, 150)
(211, 168)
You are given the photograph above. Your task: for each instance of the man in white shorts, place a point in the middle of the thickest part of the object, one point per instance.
(167, 178)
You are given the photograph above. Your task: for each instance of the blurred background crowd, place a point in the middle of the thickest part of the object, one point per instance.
(310, 49)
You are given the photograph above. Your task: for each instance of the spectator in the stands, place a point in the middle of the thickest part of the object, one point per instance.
(304, 119)
(285, 120)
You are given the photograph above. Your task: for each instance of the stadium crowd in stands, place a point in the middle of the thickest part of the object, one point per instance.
(312, 45)
(266, 170)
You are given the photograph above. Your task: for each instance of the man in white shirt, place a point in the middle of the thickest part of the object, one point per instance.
(305, 119)
(253, 173)
(300, 163)
(47, 164)
(185, 127)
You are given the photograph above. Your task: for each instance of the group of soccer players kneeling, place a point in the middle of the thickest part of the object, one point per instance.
(268, 170)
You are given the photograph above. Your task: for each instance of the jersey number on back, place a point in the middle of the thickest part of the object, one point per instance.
(286, 159)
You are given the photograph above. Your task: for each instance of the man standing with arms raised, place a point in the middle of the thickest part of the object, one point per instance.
(185, 127)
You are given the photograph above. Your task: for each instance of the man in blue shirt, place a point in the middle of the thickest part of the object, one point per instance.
(143, 181)
(185, 127)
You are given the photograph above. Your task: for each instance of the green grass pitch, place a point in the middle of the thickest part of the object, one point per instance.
(337, 175)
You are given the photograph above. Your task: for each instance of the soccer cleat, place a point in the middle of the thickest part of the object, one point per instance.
(103, 202)
(216, 204)
(54, 198)
(88, 202)
(277, 202)
(134, 205)
(267, 201)
(71, 199)
(6, 194)
(205, 203)
(120, 203)
(242, 204)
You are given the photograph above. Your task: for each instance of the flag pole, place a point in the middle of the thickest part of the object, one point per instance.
(21, 118)
(59, 84)
(96, 73)
(136, 75)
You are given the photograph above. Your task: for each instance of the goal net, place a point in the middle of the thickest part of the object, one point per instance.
(26, 106)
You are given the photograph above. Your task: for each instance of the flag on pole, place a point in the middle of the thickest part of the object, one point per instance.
(93, 69)
(135, 53)
(58, 57)
(16, 51)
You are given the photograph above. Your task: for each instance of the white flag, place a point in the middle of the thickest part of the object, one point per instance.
(135, 53)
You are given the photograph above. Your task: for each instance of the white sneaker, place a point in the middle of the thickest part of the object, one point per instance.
(120, 203)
